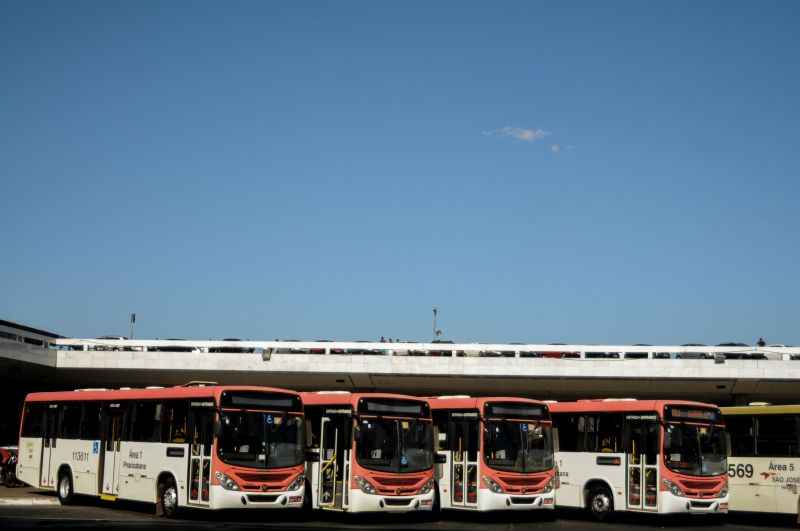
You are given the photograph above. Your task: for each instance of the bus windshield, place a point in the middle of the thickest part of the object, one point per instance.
(522, 447)
(695, 449)
(395, 445)
(261, 440)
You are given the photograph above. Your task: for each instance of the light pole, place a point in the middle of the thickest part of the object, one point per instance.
(436, 331)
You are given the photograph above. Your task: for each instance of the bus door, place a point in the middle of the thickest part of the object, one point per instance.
(201, 430)
(642, 462)
(334, 461)
(49, 435)
(464, 446)
(113, 422)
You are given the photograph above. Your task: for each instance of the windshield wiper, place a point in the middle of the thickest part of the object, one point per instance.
(523, 447)
(266, 441)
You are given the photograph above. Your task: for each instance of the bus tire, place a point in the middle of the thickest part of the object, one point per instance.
(65, 492)
(600, 502)
(167, 505)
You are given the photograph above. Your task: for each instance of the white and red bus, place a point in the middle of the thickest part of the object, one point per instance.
(369, 452)
(209, 447)
(659, 456)
(498, 453)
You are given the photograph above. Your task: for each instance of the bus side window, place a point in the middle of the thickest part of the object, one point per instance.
(569, 438)
(70, 422)
(609, 427)
(741, 431)
(777, 436)
(174, 422)
(440, 421)
(146, 421)
(311, 440)
(587, 426)
(90, 421)
(33, 421)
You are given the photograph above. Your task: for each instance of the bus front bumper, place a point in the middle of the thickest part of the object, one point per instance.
(678, 504)
(363, 502)
(237, 499)
(495, 501)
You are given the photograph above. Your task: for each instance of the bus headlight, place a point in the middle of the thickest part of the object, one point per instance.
(297, 483)
(492, 485)
(673, 488)
(550, 486)
(365, 486)
(724, 491)
(426, 488)
(226, 482)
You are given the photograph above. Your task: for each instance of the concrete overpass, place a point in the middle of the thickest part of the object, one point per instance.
(560, 372)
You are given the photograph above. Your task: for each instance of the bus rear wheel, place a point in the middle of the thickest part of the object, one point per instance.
(601, 502)
(64, 490)
(168, 498)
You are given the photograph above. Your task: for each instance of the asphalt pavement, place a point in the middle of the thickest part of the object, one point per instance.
(25, 508)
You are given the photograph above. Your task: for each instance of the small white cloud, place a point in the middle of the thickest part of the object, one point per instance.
(555, 148)
(520, 133)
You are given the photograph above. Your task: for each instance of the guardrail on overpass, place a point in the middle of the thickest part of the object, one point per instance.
(718, 374)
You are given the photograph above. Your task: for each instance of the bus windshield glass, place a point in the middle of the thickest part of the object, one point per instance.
(521, 447)
(695, 449)
(395, 445)
(261, 440)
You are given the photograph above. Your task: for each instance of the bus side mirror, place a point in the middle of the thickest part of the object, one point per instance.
(312, 455)
(439, 458)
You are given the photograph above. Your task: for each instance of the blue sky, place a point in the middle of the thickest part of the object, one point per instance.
(541, 172)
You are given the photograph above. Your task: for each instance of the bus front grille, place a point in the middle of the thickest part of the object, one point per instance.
(700, 505)
(397, 502)
(262, 498)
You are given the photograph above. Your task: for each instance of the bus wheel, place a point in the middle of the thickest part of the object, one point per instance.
(601, 502)
(65, 492)
(168, 498)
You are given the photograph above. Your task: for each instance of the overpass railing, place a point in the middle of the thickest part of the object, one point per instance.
(611, 353)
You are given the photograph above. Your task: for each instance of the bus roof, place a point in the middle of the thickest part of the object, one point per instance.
(341, 398)
(149, 394)
(461, 402)
(620, 405)
(761, 410)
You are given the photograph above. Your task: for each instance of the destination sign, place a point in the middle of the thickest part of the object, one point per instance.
(690, 413)
(516, 411)
(256, 400)
(390, 407)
